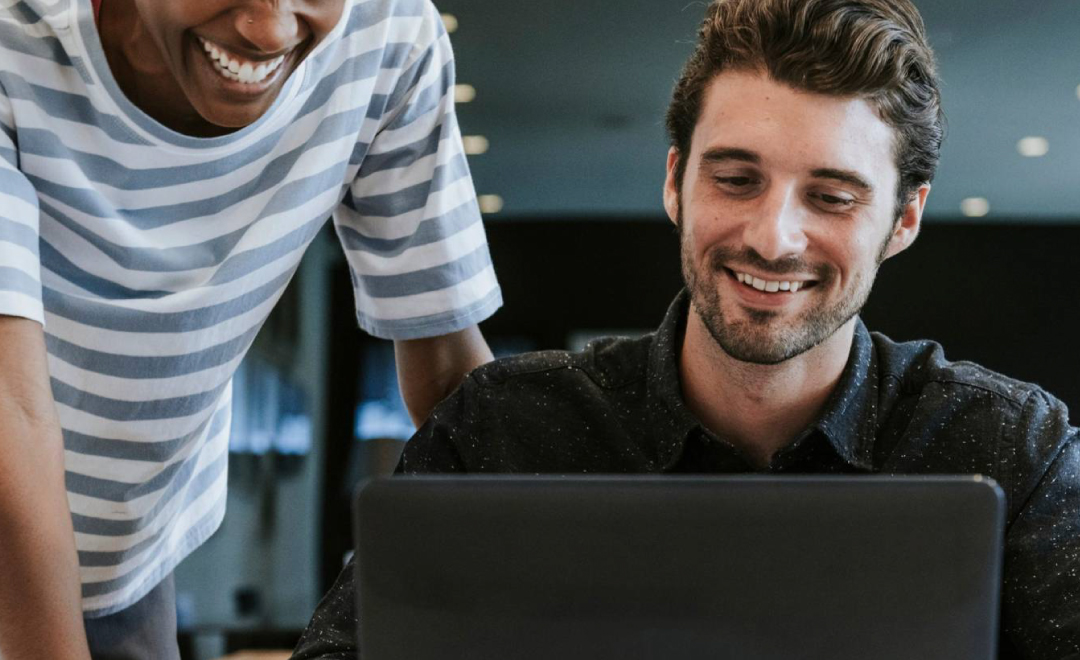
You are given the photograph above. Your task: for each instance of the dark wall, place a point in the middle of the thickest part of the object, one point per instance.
(559, 276)
(1005, 296)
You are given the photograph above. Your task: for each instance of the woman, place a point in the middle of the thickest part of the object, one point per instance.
(163, 166)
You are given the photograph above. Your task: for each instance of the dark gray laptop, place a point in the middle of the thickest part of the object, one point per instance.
(739, 568)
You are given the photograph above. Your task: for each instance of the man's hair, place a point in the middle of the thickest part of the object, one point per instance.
(871, 49)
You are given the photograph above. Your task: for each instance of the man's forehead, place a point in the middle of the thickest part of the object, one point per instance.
(749, 117)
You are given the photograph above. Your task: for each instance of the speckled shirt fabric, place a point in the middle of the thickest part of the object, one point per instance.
(900, 408)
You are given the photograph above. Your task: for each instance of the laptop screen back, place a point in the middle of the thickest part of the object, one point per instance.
(746, 568)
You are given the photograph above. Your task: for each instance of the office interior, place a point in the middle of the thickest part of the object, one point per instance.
(561, 104)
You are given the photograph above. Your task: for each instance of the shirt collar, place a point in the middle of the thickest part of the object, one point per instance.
(671, 418)
(848, 421)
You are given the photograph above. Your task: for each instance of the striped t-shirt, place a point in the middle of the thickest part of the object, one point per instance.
(153, 258)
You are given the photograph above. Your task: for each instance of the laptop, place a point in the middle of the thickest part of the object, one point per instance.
(739, 568)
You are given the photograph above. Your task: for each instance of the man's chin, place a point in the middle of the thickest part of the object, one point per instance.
(757, 350)
(762, 338)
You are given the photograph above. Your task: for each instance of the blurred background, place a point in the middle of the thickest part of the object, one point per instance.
(562, 105)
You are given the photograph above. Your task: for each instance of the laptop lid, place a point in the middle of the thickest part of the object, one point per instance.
(746, 568)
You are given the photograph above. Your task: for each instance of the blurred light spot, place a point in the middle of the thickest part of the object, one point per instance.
(464, 93)
(1033, 147)
(975, 207)
(450, 22)
(490, 203)
(475, 144)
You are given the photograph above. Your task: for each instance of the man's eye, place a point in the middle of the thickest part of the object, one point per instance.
(736, 181)
(833, 200)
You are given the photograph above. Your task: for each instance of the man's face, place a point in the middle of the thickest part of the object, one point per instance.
(787, 208)
(265, 40)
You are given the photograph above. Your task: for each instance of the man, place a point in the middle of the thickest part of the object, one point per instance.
(805, 135)
(163, 167)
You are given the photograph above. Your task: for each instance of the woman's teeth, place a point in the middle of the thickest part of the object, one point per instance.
(237, 70)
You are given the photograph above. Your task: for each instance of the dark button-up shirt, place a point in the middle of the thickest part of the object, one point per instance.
(899, 408)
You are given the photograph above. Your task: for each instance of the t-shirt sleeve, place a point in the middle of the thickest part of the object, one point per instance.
(409, 223)
(20, 264)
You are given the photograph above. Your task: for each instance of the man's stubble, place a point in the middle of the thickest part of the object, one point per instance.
(755, 340)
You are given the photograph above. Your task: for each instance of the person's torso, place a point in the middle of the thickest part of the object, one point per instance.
(161, 255)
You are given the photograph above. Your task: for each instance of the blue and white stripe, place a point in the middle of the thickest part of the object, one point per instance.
(153, 258)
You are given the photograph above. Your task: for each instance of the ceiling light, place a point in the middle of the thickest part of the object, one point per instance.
(1078, 91)
(1033, 147)
(449, 21)
(975, 207)
(464, 93)
(475, 144)
(490, 203)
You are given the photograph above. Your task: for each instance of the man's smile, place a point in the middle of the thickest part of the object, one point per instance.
(769, 285)
(760, 289)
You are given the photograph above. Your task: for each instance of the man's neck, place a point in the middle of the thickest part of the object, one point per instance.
(759, 408)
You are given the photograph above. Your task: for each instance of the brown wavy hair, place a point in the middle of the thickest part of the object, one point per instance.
(873, 49)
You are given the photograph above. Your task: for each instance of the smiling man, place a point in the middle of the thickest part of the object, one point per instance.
(785, 213)
(164, 164)
(804, 138)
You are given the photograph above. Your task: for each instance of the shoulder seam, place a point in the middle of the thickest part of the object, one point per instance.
(1020, 402)
(486, 380)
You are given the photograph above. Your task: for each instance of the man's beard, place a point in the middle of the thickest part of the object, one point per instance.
(757, 339)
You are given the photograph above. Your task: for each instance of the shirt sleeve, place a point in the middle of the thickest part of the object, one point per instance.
(432, 449)
(409, 222)
(332, 632)
(20, 263)
(1041, 589)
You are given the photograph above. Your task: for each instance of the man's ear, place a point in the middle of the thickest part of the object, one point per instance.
(671, 189)
(907, 227)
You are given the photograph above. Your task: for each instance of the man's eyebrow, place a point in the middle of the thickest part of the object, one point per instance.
(722, 154)
(844, 176)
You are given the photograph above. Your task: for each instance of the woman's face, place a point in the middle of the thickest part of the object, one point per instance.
(231, 58)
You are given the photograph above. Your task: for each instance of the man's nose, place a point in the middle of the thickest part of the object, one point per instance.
(775, 230)
(270, 26)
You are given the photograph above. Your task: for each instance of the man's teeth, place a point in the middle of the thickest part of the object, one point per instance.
(237, 70)
(770, 286)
